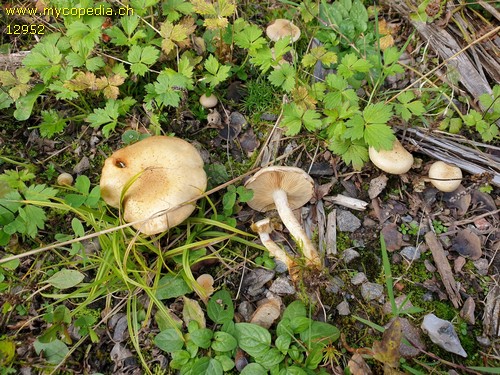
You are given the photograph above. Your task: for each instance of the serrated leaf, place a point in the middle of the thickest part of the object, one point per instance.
(292, 118)
(250, 38)
(65, 279)
(379, 113)
(355, 128)
(51, 123)
(176, 34)
(110, 85)
(283, 77)
(379, 136)
(352, 152)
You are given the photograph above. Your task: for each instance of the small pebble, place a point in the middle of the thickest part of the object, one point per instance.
(349, 255)
(359, 278)
(371, 291)
(411, 253)
(343, 308)
(347, 222)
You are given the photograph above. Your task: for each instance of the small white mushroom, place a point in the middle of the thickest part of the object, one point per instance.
(208, 101)
(445, 177)
(395, 161)
(281, 28)
(264, 228)
(156, 174)
(65, 179)
(285, 189)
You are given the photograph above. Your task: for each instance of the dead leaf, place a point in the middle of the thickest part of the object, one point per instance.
(249, 142)
(267, 313)
(393, 238)
(387, 350)
(377, 185)
(467, 244)
(358, 366)
(193, 311)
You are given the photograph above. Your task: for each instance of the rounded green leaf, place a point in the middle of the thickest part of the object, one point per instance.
(65, 279)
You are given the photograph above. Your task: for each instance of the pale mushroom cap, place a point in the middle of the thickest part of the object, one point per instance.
(395, 161)
(208, 101)
(281, 28)
(65, 179)
(441, 171)
(298, 185)
(168, 171)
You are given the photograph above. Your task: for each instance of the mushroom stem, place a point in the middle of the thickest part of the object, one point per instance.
(263, 228)
(280, 199)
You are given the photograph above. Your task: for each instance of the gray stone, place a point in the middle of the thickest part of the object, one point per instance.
(359, 278)
(371, 291)
(335, 285)
(343, 308)
(442, 333)
(82, 166)
(255, 280)
(410, 253)
(246, 310)
(482, 266)
(347, 222)
(282, 285)
(349, 255)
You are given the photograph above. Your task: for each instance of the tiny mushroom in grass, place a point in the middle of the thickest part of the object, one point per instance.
(285, 189)
(206, 281)
(208, 101)
(65, 179)
(445, 177)
(156, 174)
(281, 28)
(395, 161)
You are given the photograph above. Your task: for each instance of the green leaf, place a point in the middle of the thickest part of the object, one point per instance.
(5, 100)
(379, 113)
(7, 352)
(353, 152)
(216, 73)
(201, 337)
(207, 366)
(24, 105)
(295, 310)
(320, 333)
(351, 64)
(270, 358)
(292, 118)
(220, 308)
(223, 342)
(107, 116)
(253, 339)
(54, 351)
(51, 124)
(254, 369)
(250, 38)
(65, 279)
(311, 120)
(84, 36)
(283, 76)
(169, 340)
(172, 286)
(379, 136)
(355, 128)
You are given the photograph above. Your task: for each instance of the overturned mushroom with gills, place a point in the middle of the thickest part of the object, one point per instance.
(149, 180)
(285, 189)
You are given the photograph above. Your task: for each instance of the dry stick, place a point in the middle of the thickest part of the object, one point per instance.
(126, 225)
(444, 268)
(485, 36)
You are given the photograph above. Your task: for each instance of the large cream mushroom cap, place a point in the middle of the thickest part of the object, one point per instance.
(297, 184)
(159, 173)
(445, 177)
(395, 161)
(281, 28)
